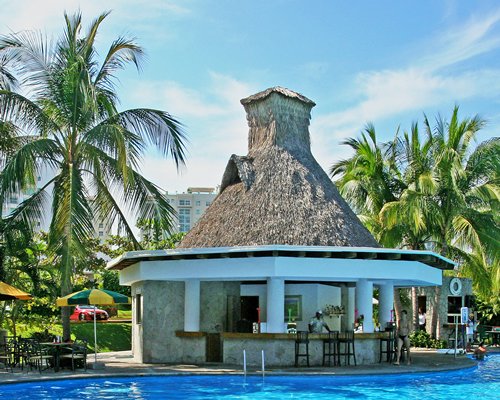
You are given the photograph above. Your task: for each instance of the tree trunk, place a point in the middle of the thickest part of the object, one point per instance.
(65, 312)
(434, 325)
(397, 304)
(414, 307)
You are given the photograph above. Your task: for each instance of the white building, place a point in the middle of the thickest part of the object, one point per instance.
(190, 206)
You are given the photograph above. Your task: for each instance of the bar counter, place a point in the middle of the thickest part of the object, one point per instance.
(279, 348)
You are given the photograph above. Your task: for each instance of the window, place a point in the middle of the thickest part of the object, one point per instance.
(13, 199)
(101, 225)
(138, 308)
(184, 219)
(198, 203)
(198, 211)
(101, 233)
(454, 305)
(184, 202)
(208, 203)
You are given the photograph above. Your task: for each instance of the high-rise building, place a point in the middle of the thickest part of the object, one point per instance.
(189, 206)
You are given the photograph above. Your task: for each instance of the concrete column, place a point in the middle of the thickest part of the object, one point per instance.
(364, 303)
(347, 301)
(351, 307)
(275, 305)
(385, 304)
(192, 305)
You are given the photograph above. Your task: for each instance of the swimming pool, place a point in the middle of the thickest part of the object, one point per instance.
(482, 381)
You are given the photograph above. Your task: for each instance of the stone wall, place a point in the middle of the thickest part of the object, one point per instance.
(154, 339)
(279, 350)
(444, 330)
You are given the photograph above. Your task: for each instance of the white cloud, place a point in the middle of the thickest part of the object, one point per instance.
(476, 36)
(381, 95)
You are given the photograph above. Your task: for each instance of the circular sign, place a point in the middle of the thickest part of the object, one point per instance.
(455, 286)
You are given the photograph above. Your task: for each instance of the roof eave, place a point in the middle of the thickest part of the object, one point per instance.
(427, 257)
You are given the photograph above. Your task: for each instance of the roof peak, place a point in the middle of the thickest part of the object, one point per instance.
(280, 90)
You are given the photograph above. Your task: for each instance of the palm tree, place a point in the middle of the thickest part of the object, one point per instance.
(465, 224)
(408, 216)
(441, 194)
(369, 180)
(68, 107)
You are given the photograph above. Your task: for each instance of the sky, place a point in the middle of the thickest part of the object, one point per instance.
(381, 62)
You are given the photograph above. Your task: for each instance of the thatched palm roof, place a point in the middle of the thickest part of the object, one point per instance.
(278, 193)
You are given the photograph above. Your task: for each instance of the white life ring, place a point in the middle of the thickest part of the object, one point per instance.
(455, 286)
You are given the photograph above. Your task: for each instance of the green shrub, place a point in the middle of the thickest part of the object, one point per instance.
(423, 339)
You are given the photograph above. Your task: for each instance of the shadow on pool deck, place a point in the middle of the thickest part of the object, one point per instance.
(122, 364)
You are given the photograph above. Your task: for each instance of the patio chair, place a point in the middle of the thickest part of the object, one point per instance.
(302, 339)
(38, 356)
(77, 353)
(7, 354)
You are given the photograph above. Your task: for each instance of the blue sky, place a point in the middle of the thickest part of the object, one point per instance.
(385, 62)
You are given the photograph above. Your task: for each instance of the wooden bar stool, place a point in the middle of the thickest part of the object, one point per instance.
(387, 346)
(302, 340)
(346, 347)
(330, 348)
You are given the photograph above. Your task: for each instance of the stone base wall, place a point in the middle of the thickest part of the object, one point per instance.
(279, 351)
(154, 340)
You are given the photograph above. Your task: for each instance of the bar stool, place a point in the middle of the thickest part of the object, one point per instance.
(330, 348)
(387, 346)
(346, 347)
(302, 339)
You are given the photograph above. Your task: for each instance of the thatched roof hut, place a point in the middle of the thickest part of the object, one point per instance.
(278, 194)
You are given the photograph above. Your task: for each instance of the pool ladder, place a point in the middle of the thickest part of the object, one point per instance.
(245, 363)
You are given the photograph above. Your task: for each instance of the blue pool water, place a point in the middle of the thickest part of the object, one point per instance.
(473, 383)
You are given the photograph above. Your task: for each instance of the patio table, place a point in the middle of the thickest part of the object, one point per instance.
(57, 347)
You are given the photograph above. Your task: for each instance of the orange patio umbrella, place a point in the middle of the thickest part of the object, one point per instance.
(8, 292)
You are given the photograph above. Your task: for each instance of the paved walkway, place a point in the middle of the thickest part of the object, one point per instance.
(122, 364)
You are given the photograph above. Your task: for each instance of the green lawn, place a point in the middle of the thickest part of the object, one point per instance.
(110, 336)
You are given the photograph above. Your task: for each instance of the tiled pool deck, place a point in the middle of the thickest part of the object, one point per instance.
(122, 364)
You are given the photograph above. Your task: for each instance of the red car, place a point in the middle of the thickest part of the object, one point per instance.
(86, 313)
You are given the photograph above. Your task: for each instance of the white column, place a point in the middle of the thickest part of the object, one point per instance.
(275, 305)
(192, 305)
(351, 309)
(385, 303)
(364, 303)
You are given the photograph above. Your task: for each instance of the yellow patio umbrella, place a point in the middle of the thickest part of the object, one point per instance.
(93, 297)
(8, 292)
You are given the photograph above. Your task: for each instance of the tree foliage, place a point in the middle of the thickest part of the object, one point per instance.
(435, 191)
(66, 117)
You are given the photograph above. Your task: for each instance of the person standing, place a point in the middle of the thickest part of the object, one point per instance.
(316, 324)
(403, 332)
(421, 320)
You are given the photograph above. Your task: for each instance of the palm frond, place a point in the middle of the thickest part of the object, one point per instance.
(157, 128)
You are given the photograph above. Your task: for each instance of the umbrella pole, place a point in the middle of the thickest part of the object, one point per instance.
(95, 335)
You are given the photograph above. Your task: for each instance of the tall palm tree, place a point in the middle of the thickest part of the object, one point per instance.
(68, 107)
(443, 194)
(369, 180)
(467, 196)
(407, 217)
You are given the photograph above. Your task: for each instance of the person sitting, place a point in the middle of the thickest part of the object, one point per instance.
(421, 319)
(480, 351)
(316, 325)
(403, 332)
